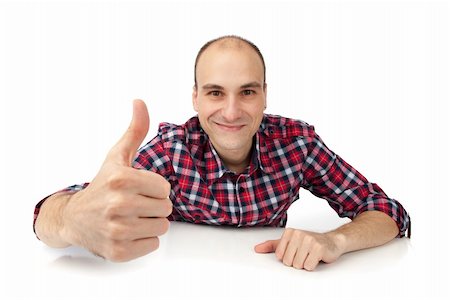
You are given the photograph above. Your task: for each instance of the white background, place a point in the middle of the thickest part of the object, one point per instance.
(372, 76)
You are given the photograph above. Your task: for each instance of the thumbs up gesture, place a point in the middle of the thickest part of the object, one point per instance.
(120, 215)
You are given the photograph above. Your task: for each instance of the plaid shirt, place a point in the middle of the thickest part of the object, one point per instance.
(287, 155)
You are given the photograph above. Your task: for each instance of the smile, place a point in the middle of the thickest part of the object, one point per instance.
(231, 128)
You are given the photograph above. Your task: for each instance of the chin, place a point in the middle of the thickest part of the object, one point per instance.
(230, 147)
(228, 144)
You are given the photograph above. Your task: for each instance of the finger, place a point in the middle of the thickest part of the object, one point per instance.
(311, 262)
(152, 184)
(141, 182)
(155, 208)
(281, 248)
(125, 251)
(313, 259)
(137, 228)
(125, 149)
(267, 247)
(144, 246)
(149, 227)
(300, 256)
(146, 207)
(290, 252)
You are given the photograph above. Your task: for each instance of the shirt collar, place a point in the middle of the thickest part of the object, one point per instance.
(212, 165)
(262, 151)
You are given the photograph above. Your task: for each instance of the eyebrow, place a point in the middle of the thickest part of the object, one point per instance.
(253, 84)
(211, 86)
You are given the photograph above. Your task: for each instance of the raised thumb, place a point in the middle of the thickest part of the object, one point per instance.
(125, 149)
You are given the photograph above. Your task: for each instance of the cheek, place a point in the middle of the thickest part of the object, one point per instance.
(207, 109)
(204, 113)
(256, 111)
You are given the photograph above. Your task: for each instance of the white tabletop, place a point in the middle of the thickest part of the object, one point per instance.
(215, 262)
(204, 262)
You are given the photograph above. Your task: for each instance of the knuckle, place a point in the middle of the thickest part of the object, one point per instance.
(167, 187)
(114, 207)
(168, 207)
(115, 232)
(320, 248)
(164, 225)
(151, 245)
(161, 185)
(117, 180)
(308, 239)
(297, 234)
(154, 245)
(111, 211)
(118, 253)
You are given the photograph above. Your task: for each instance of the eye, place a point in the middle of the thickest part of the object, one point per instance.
(248, 92)
(215, 93)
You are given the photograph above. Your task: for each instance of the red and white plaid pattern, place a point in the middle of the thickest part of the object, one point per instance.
(287, 155)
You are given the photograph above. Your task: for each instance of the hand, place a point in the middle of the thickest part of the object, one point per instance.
(303, 249)
(120, 215)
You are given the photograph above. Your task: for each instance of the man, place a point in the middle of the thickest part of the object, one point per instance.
(232, 164)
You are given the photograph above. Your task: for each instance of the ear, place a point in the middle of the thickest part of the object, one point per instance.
(265, 95)
(194, 98)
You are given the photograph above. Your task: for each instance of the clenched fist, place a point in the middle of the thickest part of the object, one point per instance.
(120, 215)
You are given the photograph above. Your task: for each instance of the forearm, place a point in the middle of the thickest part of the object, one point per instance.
(49, 222)
(369, 229)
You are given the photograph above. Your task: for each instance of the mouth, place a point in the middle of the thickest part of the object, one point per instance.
(229, 127)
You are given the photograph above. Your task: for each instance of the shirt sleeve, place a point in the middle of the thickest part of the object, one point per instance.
(151, 157)
(347, 191)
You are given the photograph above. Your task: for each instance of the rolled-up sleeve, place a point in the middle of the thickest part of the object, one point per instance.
(347, 191)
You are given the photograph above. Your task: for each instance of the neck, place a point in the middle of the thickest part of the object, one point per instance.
(237, 166)
(234, 160)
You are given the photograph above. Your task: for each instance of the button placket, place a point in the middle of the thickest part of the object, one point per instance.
(241, 187)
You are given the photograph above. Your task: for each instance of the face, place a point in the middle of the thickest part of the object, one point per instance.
(230, 97)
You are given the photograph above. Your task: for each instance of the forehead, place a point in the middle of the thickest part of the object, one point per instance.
(228, 64)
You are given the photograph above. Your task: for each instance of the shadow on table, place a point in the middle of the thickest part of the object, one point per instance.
(77, 259)
(208, 245)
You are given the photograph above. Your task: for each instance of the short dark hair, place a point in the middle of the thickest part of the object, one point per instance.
(209, 43)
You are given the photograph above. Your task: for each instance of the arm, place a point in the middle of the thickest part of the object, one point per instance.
(377, 218)
(347, 191)
(304, 249)
(367, 230)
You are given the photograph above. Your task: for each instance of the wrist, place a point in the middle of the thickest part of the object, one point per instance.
(66, 214)
(50, 219)
(339, 240)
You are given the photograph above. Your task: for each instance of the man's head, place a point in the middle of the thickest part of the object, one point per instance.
(225, 40)
(230, 92)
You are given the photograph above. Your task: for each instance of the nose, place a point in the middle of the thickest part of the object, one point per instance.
(231, 110)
